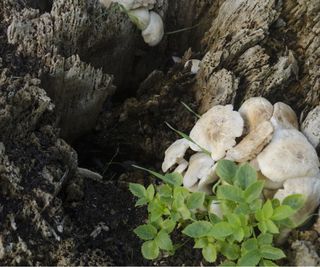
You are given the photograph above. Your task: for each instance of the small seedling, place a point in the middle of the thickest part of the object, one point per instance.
(242, 236)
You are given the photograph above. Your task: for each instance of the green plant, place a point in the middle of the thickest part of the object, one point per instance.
(243, 236)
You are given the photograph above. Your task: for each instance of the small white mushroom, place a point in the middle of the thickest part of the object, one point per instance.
(217, 130)
(254, 111)
(215, 208)
(174, 153)
(311, 126)
(194, 63)
(252, 144)
(284, 117)
(140, 17)
(200, 165)
(309, 187)
(183, 165)
(205, 183)
(289, 155)
(153, 34)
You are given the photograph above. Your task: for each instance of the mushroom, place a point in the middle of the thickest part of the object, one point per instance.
(183, 165)
(200, 165)
(289, 155)
(254, 111)
(217, 130)
(194, 65)
(284, 117)
(205, 183)
(252, 144)
(311, 126)
(309, 187)
(140, 17)
(126, 4)
(174, 153)
(153, 34)
(215, 208)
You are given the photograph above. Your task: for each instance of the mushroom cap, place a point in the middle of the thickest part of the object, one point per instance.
(215, 208)
(289, 155)
(183, 165)
(174, 153)
(153, 34)
(200, 165)
(269, 184)
(309, 187)
(216, 130)
(252, 144)
(144, 3)
(127, 4)
(311, 126)
(254, 111)
(140, 17)
(194, 65)
(284, 117)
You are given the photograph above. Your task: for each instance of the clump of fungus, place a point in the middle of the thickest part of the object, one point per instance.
(270, 141)
(138, 11)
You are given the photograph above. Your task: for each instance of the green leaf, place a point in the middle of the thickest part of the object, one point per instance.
(190, 110)
(138, 190)
(265, 239)
(253, 191)
(245, 176)
(243, 208)
(141, 202)
(150, 192)
(268, 263)
(165, 191)
(221, 229)
(234, 219)
(230, 251)
(155, 209)
(163, 241)
(238, 234)
(267, 209)
(226, 170)
(174, 178)
(180, 192)
(214, 218)
(250, 244)
(198, 229)
(295, 201)
(230, 192)
(195, 200)
(271, 253)
(168, 225)
(256, 204)
(146, 232)
(200, 243)
(272, 228)
(282, 212)
(150, 250)
(184, 211)
(210, 253)
(228, 263)
(251, 258)
(262, 227)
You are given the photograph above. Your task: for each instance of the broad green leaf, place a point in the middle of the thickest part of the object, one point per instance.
(228, 263)
(275, 203)
(185, 212)
(221, 229)
(165, 191)
(272, 228)
(253, 191)
(214, 218)
(259, 215)
(263, 227)
(195, 200)
(288, 223)
(210, 253)
(150, 192)
(238, 233)
(256, 204)
(200, 243)
(141, 202)
(245, 176)
(243, 208)
(251, 258)
(268, 263)
(267, 209)
(250, 244)
(138, 190)
(265, 239)
(146, 232)
(150, 250)
(230, 192)
(282, 212)
(230, 251)
(226, 170)
(198, 229)
(168, 225)
(163, 241)
(181, 192)
(271, 253)
(174, 178)
(234, 219)
(155, 209)
(295, 201)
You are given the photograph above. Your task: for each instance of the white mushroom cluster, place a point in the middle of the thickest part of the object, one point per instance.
(265, 135)
(139, 12)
